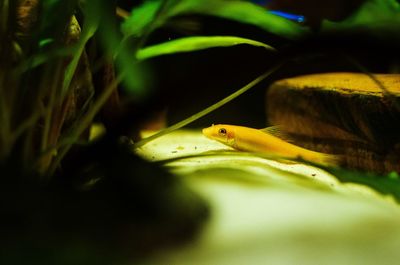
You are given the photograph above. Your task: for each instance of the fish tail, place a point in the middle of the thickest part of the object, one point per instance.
(330, 159)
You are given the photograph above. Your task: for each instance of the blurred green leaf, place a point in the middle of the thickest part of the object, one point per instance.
(388, 185)
(195, 43)
(136, 79)
(378, 18)
(44, 42)
(140, 18)
(240, 11)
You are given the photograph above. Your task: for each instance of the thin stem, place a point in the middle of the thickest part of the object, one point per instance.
(4, 121)
(51, 107)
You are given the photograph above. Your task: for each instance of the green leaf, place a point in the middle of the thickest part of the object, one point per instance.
(387, 185)
(240, 11)
(44, 42)
(140, 18)
(377, 18)
(135, 78)
(195, 43)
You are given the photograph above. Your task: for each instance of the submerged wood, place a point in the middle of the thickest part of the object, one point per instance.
(342, 113)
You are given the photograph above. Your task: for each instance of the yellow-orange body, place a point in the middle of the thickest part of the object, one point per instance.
(254, 140)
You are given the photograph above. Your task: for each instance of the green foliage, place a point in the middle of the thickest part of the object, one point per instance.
(141, 18)
(190, 44)
(154, 14)
(39, 60)
(149, 16)
(47, 55)
(378, 18)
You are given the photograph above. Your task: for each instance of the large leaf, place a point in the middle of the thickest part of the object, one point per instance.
(195, 43)
(150, 14)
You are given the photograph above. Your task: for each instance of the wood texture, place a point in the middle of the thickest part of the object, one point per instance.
(342, 113)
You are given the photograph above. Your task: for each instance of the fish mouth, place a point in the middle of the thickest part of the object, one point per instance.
(207, 132)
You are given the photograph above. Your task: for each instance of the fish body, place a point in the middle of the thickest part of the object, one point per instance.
(254, 140)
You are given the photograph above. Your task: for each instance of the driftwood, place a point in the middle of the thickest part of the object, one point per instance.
(349, 114)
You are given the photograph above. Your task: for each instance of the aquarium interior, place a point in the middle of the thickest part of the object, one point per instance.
(199, 132)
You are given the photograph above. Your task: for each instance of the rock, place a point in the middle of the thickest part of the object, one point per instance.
(342, 113)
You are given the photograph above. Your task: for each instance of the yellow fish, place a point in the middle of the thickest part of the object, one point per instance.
(260, 141)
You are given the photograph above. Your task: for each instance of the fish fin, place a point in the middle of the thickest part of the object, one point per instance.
(279, 132)
(331, 160)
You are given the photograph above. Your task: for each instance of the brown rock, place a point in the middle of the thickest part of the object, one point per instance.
(342, 113)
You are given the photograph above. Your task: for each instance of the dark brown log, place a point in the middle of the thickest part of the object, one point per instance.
(342, 113)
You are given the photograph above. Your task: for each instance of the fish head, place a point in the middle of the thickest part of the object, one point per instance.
(221, 133)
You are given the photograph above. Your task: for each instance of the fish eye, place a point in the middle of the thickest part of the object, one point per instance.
(222, 131)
